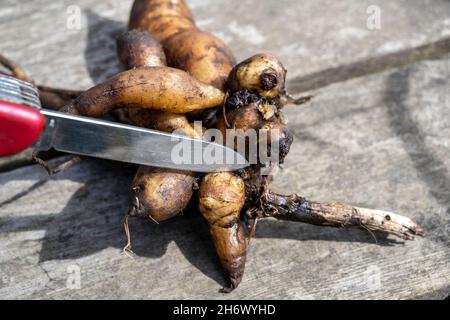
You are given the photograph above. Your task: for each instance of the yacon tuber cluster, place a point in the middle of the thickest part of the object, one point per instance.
(174, 74)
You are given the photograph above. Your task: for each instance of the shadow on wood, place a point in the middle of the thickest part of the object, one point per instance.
(100, 53)
(78, 231)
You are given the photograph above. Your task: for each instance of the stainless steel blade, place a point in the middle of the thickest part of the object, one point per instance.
(113, 141)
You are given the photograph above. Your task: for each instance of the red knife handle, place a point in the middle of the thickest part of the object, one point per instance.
(20, 127)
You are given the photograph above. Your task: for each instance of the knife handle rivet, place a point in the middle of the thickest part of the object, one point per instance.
(52, 123)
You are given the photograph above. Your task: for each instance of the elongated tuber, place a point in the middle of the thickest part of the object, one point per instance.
(161, 18)
(200, 53)
(137, 49)
(221, 198)
(156, 88)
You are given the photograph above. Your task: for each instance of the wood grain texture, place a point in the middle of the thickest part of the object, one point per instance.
(359, 142)
(380, 141)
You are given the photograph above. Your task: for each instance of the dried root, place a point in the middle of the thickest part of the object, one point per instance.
(51, 98)
(58, 168)
(295, 208)
(55, 98)
(286, 99)
(126, 226)
(16, 71)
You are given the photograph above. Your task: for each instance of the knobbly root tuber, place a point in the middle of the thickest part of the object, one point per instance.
(245, 118)
(221, 198)
(160, 194)
(231, 247)
(262, 73)
(250, 119)
(257, 90)
(200, 53)
(155, 88)
(295, 208)
(58, 168)
(162, 18)
(136, 49)
(233, 203)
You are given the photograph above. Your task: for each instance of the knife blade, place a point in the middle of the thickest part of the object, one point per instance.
(120, 142)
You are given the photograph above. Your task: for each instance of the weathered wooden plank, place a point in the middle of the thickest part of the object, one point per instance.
(379, 141)
(372, 142)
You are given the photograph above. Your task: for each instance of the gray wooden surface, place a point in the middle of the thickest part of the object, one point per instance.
(376, 135)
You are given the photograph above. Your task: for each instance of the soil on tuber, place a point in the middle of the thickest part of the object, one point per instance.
(221, 198)
(200, 53)
(156, 194)
(155, 88)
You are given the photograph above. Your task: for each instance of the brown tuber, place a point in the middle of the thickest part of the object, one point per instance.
(262, 73)
(155, 88)
(200, 53)
(136, 49)
(250, 119)
(139, 49)
(221, 198)
(160, 194)
(161, 18)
